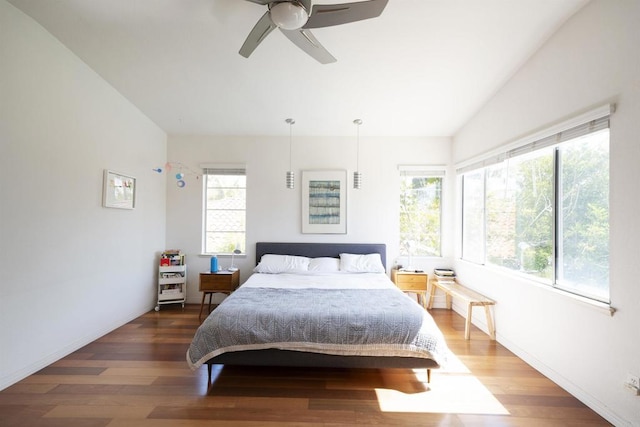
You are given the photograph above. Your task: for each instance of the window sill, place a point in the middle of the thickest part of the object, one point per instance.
(593, 304)
(222, 255)
(602, 307)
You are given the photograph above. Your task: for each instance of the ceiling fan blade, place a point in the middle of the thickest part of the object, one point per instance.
(327, 15)
(261, 30)
(307, 42)
(306, 4)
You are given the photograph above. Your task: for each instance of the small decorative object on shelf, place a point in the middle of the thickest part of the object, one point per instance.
(232, 267)
(444, 274)
(172, 278)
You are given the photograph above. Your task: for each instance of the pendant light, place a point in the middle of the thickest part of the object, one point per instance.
(290, 175)
(357, 176)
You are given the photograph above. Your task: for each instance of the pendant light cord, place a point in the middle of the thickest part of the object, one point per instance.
(290, 175)
(358, 150)
(357, 122)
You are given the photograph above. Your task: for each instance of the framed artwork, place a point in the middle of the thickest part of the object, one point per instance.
(324, 202)
(118, 190)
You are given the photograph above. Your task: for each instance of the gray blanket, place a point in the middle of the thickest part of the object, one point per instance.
(364, 322)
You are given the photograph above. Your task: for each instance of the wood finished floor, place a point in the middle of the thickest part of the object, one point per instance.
(137, 376)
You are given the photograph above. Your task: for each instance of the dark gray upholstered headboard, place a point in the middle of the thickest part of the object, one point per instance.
(315, 250)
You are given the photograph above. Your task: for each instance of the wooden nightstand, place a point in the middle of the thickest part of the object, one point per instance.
(223, 282)
(408, 281)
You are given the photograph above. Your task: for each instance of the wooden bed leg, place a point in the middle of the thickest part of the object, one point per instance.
(428, 376)
(209, 369)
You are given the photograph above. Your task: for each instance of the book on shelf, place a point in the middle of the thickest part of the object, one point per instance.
(444, 272)
(171, 257)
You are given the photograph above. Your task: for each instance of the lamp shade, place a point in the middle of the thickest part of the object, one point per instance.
(357, 180)
(291, 179)
(288, 15)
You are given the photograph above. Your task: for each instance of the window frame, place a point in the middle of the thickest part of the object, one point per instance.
(481, 258)
(423, 171)
(558, 138)
(222, 170)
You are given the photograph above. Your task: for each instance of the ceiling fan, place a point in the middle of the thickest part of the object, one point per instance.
(296, 17)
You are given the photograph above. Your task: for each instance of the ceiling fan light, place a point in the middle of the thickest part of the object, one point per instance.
(288, 15)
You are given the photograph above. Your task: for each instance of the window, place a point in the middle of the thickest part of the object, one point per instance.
(225, 201)
(542, 210)
(583, 219)
(473, 216)
(519, 222)
(420, 212)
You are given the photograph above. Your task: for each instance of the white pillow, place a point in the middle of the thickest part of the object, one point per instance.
(273, 264)
(370, 263)
(324, 265)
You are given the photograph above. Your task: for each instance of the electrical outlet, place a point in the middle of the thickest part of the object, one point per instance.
(633, 380)
(633, 384)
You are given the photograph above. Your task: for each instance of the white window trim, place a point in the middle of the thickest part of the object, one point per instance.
(222, 166)
(432, 171)
(499, 154)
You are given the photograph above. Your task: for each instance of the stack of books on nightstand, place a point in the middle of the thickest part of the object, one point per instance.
(444, 274)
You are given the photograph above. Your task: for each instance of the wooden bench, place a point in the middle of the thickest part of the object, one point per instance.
(471, 297)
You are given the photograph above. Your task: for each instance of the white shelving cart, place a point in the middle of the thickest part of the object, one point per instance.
(172, 279)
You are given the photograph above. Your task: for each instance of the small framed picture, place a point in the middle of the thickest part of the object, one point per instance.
(118, 190)
(324, 202)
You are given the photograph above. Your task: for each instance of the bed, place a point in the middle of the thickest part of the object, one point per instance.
(331, 305)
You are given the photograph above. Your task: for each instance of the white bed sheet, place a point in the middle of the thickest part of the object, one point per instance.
(306, 280)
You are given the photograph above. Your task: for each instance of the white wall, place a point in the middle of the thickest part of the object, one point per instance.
(274, 212)
(593, 59)
(73, 270)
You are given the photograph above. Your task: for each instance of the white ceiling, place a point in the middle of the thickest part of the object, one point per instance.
(423, 68)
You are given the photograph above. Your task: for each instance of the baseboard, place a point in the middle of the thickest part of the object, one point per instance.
(580, 394)
(31, 369)
(586, 398)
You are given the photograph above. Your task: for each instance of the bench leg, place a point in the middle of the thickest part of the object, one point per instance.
(490, 325)
(432, 292)
(467, 325)
(422, 297)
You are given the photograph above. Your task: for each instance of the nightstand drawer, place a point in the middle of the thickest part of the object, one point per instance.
(413, 284)
(224, 281)
(410, 281)
(411, 278)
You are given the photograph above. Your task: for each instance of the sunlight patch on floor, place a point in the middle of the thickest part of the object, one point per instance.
(453, 390)
(450, 395)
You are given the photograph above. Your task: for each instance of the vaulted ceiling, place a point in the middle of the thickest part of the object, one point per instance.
(422, 68)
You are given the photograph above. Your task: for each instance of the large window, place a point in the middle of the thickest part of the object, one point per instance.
(583, 219)
(225, 201)
(542, 210)
(473, 217)
(519, 222)
(420, 212)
